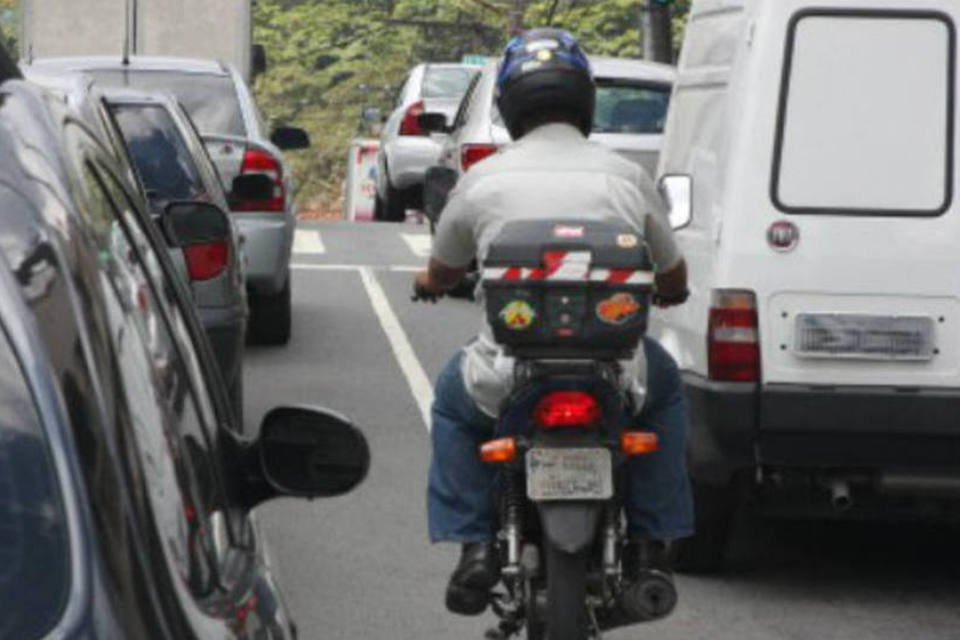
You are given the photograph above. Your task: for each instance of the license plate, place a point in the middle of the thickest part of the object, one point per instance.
(864, 337)
(569, 474)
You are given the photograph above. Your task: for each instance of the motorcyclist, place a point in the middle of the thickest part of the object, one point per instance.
(546, 97)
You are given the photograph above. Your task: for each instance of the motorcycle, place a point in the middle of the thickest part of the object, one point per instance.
(568, 301)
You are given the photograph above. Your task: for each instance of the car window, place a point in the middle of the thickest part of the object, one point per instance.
(34, 539)
(165, 166)
(630, 108)
(210, 99)
(466, 105)
(446, 82)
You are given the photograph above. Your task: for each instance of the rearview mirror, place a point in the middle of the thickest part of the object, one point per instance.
(252, 187)
(677, 192)
(433, 122)
(311, 452)
(189, 223)
(437, 185)
(290, 138)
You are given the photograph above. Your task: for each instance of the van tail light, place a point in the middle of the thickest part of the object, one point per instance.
(471, 154)
(567, 409)
(733, 338)
(262, 161)
(502, 451)
(410, 126)
(206, 260)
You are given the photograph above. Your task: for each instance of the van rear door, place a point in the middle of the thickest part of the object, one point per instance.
(850, 235)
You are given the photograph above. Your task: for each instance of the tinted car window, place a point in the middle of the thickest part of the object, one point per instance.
(630, 108)
(34, 541)
(446, 82)
(160, 157)
(211, 100)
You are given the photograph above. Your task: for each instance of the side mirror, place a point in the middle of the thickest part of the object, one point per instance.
(290, 138)
(433, 122)
(251, 187)
(311, 453)
(190, 223)
(677, 192)
(437, 185)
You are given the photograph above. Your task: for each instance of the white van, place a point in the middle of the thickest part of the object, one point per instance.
(809, 161)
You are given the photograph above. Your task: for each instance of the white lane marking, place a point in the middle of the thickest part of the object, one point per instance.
(421, 244)
(402, 349)
(395, 268)
(308, 241)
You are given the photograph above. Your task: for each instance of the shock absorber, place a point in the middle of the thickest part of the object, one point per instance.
(514, 498)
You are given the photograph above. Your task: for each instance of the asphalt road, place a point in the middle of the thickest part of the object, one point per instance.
(361, 567)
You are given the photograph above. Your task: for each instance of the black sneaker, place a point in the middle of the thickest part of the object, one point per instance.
(478, 571)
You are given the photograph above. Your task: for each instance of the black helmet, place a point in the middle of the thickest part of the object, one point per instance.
(545, 70)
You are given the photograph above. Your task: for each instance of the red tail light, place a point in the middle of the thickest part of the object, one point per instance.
(410, 126)
(207, 260)
(733, 343)
(471, 154)
(260, 161)
(567, 409)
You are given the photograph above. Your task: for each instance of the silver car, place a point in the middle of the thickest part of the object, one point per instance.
(222, 107)
(632, 101)
(406, 149)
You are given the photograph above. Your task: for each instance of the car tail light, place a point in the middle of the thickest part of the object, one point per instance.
(206, 260)
(261, 161)
(567, 409)
(499, 451)
(410, 126)
(471, 154)
(638, 443)
(733, 343)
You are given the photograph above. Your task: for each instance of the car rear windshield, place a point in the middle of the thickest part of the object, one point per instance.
(34, 536)
(446, 82)
(630, 108)
(211, 100)
(159, 154)
(866, 128)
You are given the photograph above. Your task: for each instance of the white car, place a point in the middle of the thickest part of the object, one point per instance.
(810, 159)
(633, 98)
(407, 150)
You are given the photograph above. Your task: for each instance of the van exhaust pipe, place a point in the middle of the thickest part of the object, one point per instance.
(840, 496)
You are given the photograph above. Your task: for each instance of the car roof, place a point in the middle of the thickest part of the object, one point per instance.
(604, 67)
(135, 63)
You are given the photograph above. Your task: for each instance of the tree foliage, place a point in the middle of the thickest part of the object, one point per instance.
(329, 59)
(9, 25)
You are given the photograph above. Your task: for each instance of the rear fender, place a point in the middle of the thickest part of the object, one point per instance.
(570, 526)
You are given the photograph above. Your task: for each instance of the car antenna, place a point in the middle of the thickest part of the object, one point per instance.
(130, 32)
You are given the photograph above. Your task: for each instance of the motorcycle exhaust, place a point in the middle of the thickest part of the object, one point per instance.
(652, 597)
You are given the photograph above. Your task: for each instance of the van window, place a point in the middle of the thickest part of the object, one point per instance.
(866, 122)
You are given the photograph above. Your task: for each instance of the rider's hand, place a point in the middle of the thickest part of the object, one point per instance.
(423, 288)
(667, 301)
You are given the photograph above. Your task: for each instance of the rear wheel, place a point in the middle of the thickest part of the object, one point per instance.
(392, 207)
(716, 507)
(271, 317)
(566, 612)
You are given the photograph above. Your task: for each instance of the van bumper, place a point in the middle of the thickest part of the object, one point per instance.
(740, 426)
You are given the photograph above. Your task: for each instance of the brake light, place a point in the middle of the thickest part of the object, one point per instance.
(471, 154)
(410, 126)
(499, 451)
(733, 344)
(206, 260)
(567, 409)
(260, 161)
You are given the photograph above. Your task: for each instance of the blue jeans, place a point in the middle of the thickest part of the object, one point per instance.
(460, 492)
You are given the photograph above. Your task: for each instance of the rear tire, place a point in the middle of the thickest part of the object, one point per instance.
(716, 508)
(271, 317)
(566, 612)
(392, 207)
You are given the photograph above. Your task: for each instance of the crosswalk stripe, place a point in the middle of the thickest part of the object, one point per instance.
(308, 241)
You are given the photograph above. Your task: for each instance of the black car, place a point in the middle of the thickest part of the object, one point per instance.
(125, 493)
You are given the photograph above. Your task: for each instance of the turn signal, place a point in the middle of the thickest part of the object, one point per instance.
(638, 443)
(499, 451)
(567, 409)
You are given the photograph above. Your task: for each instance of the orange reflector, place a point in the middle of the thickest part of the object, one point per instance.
(638, 443)
(499, 451)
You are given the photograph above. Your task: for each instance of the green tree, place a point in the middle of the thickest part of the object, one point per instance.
(9, 26)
